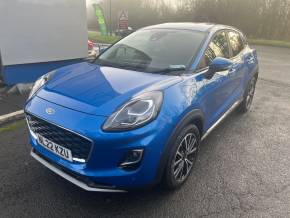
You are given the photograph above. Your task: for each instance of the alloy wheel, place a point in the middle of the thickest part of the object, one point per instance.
(250, 94)
(185, 157)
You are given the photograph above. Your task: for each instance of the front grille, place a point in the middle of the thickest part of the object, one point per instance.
(79, 146)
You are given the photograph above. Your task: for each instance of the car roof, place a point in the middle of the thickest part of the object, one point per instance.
(203, 27)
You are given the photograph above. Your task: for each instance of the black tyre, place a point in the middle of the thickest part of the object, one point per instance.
(182, 157)
(248, 96)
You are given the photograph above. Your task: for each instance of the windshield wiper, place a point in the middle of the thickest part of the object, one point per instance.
(138, 66)
(170, 69)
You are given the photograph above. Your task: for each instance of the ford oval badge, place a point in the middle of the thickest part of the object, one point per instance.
(50, 111)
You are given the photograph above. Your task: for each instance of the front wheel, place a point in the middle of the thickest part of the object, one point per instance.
(248, 96)
(182, 157)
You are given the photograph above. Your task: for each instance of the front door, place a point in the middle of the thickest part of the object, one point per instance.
(214, 93)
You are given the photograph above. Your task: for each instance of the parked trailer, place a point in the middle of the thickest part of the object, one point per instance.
(38, 36)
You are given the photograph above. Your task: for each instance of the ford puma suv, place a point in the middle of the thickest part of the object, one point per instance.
(136, 115)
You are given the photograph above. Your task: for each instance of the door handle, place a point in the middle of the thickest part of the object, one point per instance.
(251, 60)
(232, 70)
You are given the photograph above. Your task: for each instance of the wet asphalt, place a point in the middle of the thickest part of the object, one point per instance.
(243, 169)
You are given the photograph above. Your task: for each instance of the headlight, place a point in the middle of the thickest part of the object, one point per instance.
(137, 112)
(40, 82)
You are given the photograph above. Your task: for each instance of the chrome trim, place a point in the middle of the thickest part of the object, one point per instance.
(79, 160)
(231, 109)
(30, 130)
(70, 178)
(75, 159)
(125, 164)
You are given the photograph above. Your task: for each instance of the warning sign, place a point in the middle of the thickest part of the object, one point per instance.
(123, 20)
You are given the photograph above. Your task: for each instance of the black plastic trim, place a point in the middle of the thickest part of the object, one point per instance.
(187, 119)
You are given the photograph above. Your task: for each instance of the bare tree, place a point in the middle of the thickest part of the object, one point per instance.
(268, 19)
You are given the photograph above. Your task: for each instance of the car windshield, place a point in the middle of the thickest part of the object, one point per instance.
(154, 50)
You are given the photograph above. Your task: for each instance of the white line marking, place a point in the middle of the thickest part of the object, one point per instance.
(8, 117)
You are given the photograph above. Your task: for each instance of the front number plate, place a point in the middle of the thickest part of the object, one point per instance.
(55, 148)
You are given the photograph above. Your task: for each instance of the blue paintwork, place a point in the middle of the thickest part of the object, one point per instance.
(84, 95)
(27, 73)
(220, 64)
(99, 90)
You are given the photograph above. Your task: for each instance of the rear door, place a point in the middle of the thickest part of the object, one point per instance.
(251, 60)
(239, 69)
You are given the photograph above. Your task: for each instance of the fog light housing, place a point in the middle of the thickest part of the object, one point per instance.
(132, 159)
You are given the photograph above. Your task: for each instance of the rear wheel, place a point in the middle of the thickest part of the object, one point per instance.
(248, 96)
(182, 157)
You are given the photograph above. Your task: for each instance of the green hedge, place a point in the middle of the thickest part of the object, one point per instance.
(97, 37)
(270, 42)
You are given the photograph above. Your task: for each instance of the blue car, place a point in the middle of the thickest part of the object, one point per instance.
(136, 115)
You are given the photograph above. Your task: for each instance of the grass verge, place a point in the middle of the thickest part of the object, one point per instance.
(97, 37)
(12, 126)
(267, 42)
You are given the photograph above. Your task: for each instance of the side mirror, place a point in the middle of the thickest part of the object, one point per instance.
(217, 65)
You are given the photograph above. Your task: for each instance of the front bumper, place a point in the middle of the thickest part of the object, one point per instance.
(70, 178)
(101, 171)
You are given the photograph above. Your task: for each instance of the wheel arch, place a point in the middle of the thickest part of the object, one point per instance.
(195, 117)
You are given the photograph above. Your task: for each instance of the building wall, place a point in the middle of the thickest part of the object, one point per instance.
(34, 31)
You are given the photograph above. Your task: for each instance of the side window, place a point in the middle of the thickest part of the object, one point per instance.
(218, 47)
(236, 43)
(244, 39)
